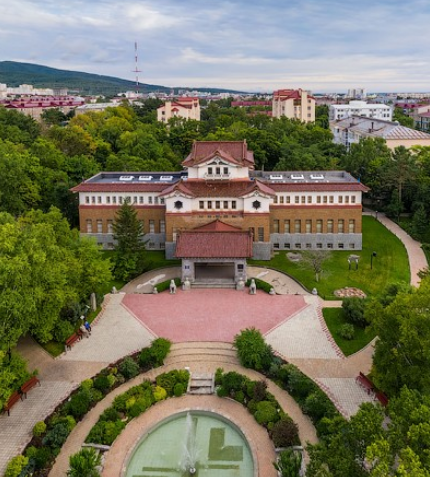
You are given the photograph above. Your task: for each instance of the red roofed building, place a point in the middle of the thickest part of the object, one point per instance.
(186, 108)
(293, 104)
(219, 211)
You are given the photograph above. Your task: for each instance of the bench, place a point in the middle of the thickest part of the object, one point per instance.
(382, 398)
(29, 385)
(14, 398)
(365, 383)
(72, 339)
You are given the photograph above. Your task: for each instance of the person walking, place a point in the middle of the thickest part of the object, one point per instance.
(87, 327)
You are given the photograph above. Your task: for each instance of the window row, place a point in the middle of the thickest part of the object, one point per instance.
(339, 245)
(152, 200)
(319, 199)
(99, 226)
(217, 204)
(318, 226)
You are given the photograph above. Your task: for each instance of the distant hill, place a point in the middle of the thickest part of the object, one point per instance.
(14, 73)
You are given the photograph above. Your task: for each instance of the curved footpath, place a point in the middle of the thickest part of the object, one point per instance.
(226, 407)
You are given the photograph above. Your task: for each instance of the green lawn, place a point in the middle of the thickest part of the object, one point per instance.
(390, 264)
(335, 318)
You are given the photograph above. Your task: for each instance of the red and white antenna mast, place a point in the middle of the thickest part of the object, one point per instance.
(136, 68)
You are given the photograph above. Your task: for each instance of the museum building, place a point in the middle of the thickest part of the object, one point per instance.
(219, 211)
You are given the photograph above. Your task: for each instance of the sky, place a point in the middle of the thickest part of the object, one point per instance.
(247, 45)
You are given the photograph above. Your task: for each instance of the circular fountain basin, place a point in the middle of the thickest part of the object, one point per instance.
(221, 449)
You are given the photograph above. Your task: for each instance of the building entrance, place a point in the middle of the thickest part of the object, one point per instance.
(210, 270)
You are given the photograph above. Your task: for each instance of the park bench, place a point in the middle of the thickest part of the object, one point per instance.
(14, 398)
(29, 385)
(381, 397)
(72, 339)
(365, 383)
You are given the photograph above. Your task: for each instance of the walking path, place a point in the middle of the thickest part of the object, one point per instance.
(299, 336)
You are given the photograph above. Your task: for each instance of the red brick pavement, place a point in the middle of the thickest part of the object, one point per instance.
(211, 314)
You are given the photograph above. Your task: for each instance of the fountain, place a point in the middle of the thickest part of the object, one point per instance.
(191, 451)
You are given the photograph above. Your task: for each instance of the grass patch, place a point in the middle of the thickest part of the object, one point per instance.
(390, 265)
(54, 348)
(335, 318)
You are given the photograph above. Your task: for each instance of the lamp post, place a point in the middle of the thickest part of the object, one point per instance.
(371, 260)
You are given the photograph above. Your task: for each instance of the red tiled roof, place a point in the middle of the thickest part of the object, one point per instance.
(217, 226)
(178, 186)
(284, 94)
(232, 188)
(233, 151)
(191, 244)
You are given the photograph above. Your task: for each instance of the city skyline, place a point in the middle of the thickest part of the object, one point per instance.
(259, 46)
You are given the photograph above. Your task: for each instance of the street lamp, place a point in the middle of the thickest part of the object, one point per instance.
(371, 260)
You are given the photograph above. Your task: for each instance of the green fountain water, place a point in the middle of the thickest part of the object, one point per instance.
(194, 444)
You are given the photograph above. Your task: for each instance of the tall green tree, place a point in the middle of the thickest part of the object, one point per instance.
(130, 246)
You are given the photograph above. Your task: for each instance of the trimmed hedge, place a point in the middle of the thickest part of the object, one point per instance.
(163, 286)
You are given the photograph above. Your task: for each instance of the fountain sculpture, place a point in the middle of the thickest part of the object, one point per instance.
(190, 451)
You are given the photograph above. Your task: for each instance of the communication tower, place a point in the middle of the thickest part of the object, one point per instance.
(136, 68)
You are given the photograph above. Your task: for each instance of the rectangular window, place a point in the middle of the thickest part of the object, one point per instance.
(150, 199)
(174, 233)
(353, 199)
(93, 199)
(341, 199)
(287, 199)
(108, 199)
(276, 226)
(252, 230)
(329, 245)
(308, 226)
(340, 226)
(276, 245)
(114, 199)
(298, 245)
(296, 199)
(261, 234)
(162, 227)
(162, 200)
(135, 199)
(209, 204)
(309, 199)
(297, 226)
(319, 226)
(218, 171)
(319, 245)
(210, 171)
(308, 245)
(217, 204)
(347, 199)
(87, 199)
(281, 199)
(286, 226)
(340, 245)
(156, 200)
(318, 199)
(225, 170)
(226, 204)
(330, 226)
(120, 199)
(89, 226)
(233, 204)
(151, 226)
(141, 199)
(128, 199)
(331, 199)
(325, 199)
(99, 226)
(303, 199)
(201, 204)
(352, 245)
(275, 199)
(351, 226)
(287, 245)
(110, 227)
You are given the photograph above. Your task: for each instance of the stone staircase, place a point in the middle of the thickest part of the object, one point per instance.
(201, 383)
(214, 283)
(202, 356)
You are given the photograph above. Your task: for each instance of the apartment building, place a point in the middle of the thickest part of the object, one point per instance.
(360, 108)
(293, 104)
(184, 107)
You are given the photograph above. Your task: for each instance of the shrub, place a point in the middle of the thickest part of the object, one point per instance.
(354, 309)
(159, 350)
(347, 331)
(252, 350)
(63, 329)
(239, 396)
(266, 412)
(41, 456)
(233, 382)
(95, 395)
(79, 404)
(39, 429)
(84, 463)
(159, 393)
(102, 383)
(285, 433)
(179, 389)
(218, 376)
(167, 381)
(252, 406)
(68, 420)
(109, 414)
(289, 463)
(140, 405)
(259, 391)
(297, 383)
(57, 436)
(129, 368)
(105, 432)
(317, 405)
(222, 392)
(86, 384)
(145, 358)
(15, 466)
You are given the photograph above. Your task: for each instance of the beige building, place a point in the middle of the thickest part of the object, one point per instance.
(351, 130)
(293, 104)
(186, 108)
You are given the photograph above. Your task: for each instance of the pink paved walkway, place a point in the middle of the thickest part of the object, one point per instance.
(217, 315)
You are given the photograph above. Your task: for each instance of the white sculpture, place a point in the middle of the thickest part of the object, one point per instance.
(172, 287)
(252, 288)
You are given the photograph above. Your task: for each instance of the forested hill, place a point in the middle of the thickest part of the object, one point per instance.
(14, 73)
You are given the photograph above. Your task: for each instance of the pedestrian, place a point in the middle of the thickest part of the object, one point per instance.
(87, 326)
(84, 331)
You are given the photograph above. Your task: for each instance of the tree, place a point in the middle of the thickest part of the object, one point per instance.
(130, 246)
(403, 118)
(252, 350)
(315, 260)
